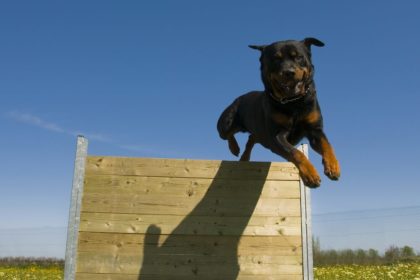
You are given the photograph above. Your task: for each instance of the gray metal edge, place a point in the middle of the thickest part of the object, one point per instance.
(74, 212)
(309, 234)
(306, 220)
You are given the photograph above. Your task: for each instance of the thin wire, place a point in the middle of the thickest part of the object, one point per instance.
(315, 220)
(367, 210)
(371, 232)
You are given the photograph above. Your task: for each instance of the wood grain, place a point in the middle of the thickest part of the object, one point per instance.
(197, 225)
(191, 168)
(112, 276)
(226, 206)
(187, 187)
(189, 219)
(208, 244)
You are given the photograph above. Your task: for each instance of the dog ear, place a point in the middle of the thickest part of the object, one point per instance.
(255, 47)
(312, 41)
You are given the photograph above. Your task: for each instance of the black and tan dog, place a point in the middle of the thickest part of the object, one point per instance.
(285, 112)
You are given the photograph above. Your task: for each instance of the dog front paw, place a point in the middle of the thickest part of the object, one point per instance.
(331, 168)
(310, 176)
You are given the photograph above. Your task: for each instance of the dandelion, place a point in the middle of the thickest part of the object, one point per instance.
(410, 271)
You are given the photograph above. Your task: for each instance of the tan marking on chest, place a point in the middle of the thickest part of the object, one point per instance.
(312, 117)
(281, 119)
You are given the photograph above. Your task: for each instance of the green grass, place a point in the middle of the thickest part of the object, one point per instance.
(401, 271)
(31, 272)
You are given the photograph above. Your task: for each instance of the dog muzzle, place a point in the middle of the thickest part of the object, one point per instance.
(299, 91)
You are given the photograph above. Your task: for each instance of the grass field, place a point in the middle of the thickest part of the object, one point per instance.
(409, 271)
(402, 271)
(31, 272)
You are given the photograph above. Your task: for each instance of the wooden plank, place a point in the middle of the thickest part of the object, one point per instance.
(195, 225)
(187, 187)
(120, 244)
(164, 264)
(114, 262)
(191, 168)
(111, 276)
(223, 206)
(182, 254)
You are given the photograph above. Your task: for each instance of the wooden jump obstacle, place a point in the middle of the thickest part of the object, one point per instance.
(164, 219)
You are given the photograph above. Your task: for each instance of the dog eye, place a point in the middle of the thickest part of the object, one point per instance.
(278, 55)
(300, 59)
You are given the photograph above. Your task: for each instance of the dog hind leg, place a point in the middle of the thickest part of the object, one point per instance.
(233, 146)
(246, 156)
(227, 127)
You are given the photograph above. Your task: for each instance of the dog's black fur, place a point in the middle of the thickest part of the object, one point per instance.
(285, 112)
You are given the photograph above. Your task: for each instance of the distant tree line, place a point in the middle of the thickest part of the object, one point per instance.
(393, 254)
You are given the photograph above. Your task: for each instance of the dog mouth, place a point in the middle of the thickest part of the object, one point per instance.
(289, 91)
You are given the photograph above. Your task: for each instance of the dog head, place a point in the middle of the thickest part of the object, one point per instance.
(286, 68)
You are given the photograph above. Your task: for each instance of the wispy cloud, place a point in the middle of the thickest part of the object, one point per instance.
(34, 120)
(47, 125)
(37, 121)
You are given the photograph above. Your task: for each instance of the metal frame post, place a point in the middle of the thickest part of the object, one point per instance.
(74, 213)
(305, 200)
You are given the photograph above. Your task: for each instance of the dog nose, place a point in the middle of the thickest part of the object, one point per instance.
(288, 73)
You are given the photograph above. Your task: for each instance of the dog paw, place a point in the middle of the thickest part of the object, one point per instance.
(312, 181)
(332, 169)
(310, 176)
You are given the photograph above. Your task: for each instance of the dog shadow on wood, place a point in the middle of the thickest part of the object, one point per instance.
(205, 243)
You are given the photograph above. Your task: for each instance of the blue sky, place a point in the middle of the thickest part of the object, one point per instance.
(150, 79)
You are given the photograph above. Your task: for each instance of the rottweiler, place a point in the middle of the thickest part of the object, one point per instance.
(285, 112)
